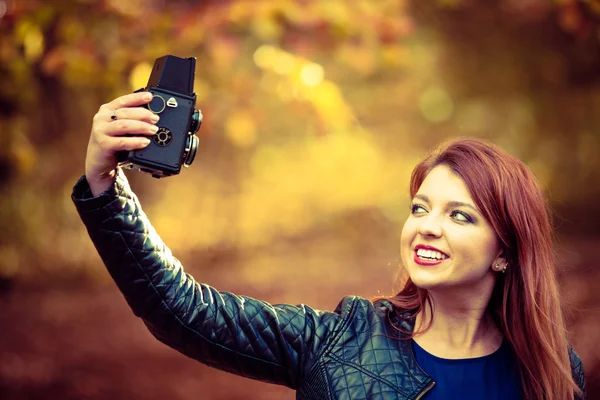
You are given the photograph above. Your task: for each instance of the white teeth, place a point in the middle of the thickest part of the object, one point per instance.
(430, 254)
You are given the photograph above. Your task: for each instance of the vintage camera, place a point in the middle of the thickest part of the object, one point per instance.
(175, 144)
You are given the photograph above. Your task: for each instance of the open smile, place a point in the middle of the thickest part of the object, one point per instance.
(427, 255)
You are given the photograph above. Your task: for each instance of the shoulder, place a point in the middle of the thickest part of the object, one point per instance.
(353, 305)
(358, 312)
(360, 306)
(577, 369)
(355, 310)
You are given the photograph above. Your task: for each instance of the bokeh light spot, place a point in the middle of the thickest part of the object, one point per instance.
(265, 56)
(32, 39)
(284, 63)
(312, 74)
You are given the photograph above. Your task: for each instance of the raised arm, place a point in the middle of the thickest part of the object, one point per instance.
(274, 343)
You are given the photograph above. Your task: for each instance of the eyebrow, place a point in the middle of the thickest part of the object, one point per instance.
(452, 203)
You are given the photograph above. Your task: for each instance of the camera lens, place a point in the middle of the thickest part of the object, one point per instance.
(196, 121)
(191, 146)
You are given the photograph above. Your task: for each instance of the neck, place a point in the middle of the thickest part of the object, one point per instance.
(461, 326)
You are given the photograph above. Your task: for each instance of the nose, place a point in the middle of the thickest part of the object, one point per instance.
(430, 226)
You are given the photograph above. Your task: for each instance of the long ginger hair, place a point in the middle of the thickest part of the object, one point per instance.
(525, 302)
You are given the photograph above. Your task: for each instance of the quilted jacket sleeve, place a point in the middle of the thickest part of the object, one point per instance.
(273, 343)
(577, 372)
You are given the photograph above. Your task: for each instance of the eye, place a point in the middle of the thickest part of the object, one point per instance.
(417, 209)
(461, 216)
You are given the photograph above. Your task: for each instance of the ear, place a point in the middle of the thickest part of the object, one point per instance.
(500, 264)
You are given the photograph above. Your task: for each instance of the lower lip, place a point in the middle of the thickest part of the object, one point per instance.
(422, 261)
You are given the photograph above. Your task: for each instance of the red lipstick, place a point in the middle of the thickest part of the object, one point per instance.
(428, 262)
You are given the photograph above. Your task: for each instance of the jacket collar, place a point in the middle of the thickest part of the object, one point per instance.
(402, 324)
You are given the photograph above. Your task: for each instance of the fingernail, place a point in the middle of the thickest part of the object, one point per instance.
(154, 118)
(144, 142)
(154, 128)
(147, 96)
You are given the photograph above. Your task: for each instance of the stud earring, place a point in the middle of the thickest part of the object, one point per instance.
(499, 268)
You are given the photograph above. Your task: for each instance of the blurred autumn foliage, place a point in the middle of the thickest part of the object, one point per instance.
(315, 113)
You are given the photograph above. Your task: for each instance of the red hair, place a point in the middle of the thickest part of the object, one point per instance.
(525, 301)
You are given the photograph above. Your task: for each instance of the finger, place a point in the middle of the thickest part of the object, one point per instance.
(130, 126)
(135, 113)
(115, 144)
(129, 100)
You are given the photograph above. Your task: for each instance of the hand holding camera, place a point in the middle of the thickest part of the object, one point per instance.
(112, 127)
(151, 130)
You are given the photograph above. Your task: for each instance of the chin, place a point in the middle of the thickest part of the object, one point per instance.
(427, 284)
(426, 279)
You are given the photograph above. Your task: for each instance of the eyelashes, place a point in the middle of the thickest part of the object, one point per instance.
(457, 215)
(461, 214)
(414, 207)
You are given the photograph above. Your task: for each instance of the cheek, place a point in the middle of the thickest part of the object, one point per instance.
(493, 249)
(480, 249)
(407, 234)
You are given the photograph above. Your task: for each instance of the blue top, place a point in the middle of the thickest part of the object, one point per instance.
(490, 377)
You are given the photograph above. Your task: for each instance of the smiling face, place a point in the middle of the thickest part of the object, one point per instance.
(446, 242)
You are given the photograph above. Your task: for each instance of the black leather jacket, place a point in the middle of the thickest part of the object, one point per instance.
(352, 353)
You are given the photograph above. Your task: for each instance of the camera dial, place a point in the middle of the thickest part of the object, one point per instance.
(163, 137)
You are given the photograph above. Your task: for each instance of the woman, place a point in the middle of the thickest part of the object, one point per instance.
(478, 317)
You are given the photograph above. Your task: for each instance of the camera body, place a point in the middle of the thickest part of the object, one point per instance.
(173, 100)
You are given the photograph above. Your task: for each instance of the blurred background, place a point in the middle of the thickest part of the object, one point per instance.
(315, 113)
